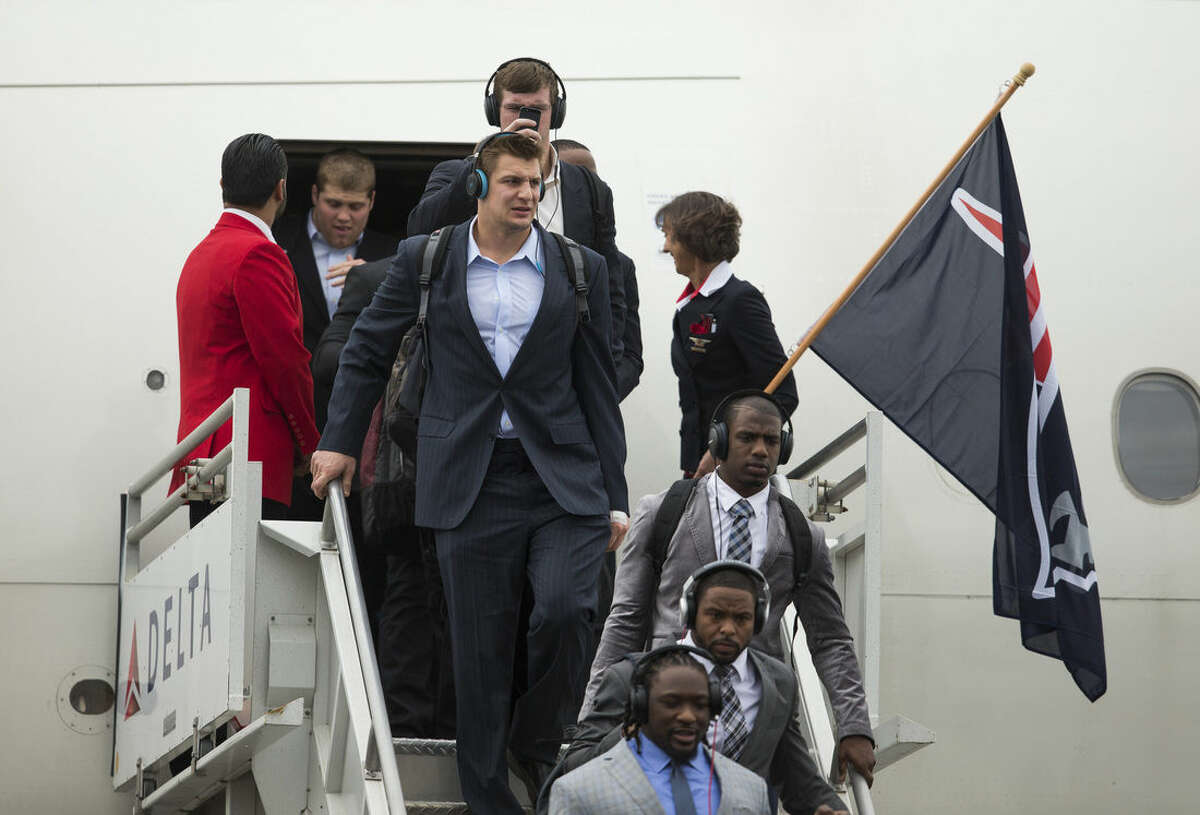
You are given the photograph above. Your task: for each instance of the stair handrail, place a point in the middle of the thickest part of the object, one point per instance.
(335, 533)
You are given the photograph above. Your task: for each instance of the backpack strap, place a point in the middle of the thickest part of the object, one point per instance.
(600, 221)
(801, 537)
(577, 273)
(433, 259)
(666, 521)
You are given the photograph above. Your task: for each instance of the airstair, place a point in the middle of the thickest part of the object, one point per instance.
(247, 680)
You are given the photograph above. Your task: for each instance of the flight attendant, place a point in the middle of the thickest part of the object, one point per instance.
(724, 339)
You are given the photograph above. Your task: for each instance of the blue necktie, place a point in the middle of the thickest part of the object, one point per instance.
(739, 531)
(681, 793)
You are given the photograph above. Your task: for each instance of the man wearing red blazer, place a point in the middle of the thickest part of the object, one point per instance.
(240, 326)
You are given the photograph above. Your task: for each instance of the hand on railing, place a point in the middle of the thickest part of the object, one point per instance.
(859, 753)
(327, 466)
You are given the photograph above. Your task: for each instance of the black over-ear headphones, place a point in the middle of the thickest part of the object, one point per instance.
(688, 605)
(491, 105)
(477, 180)
(639, 692)
(718, 429)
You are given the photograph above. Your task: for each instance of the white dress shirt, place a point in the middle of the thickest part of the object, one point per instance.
(254, 219)
(504, 299)
(550, 208)
(717, 278)
(719, 502)
(326, 256)
(746, 685)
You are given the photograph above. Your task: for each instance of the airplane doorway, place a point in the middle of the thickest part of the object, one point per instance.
(401, 169)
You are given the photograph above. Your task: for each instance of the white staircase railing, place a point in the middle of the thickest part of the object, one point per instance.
(856, 552)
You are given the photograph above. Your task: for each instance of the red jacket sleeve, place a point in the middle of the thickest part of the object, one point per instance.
(269, 304)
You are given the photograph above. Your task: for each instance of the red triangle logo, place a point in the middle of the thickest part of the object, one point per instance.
(133, 680)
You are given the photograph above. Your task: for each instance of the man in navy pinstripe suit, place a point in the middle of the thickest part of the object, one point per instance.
(520, 460)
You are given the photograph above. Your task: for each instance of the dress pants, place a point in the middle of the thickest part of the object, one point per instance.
(517, 534)
(414, 649)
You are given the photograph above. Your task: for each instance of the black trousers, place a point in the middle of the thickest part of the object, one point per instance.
(517, 534)
(414, 647)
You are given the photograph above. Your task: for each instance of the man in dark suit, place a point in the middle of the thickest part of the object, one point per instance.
(520, 453)
(757, 726)
(323, 246)
(576, 202)
(412, 644)
(724, 340)
(629, 364)
(240, 326)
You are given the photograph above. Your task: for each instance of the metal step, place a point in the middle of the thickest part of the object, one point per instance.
(429, 775)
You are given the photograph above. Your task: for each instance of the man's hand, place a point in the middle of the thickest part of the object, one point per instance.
(337, 273)
(328, 465)
(706, 465)
(859, 752)
(825, 809)
(526, 127)
(619, 528)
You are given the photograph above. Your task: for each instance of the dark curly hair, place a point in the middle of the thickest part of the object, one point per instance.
(648, 669)
(707, 225)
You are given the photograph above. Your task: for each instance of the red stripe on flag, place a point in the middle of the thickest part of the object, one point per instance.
(1033, 294)
(989, 223)
(1041, 358)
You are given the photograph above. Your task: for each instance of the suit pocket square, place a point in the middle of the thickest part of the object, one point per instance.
(571, 433)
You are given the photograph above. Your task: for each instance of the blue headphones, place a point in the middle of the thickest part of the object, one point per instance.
(477, 180)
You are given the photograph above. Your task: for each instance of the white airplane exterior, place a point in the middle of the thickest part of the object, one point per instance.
(823, 122)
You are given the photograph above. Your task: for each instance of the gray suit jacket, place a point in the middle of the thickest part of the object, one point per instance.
(776, 749)
(614, 784)
(642, 611)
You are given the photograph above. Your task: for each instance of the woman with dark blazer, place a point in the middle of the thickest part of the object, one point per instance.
(724, 339)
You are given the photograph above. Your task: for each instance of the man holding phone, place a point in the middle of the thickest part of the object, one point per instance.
(525, 95)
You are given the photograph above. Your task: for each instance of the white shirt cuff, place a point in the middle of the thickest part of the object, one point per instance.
(617, 516)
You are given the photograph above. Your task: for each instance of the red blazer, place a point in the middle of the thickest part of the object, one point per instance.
(240, 326)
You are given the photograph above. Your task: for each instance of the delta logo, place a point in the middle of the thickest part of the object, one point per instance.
(173, 639)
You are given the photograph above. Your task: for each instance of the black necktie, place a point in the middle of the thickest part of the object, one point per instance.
(681, 792)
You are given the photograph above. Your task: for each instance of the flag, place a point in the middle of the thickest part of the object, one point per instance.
(948, 337)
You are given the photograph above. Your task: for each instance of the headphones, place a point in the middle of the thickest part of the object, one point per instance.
(688, 606)
(477, 180)
(718, 429)
(639, 692)
(491, 105)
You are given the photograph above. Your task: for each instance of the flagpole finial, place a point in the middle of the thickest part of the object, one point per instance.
(1026, 71)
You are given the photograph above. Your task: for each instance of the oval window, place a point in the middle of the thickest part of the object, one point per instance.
(1157, 427)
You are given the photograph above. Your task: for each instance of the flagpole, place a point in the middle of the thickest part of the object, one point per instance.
(1018, 80)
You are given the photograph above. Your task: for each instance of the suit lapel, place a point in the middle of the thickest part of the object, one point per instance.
(628, 775)
(776, 532)
(699, 524)
(768, 711)
(305, 265)
(553, 292)
(455, 279)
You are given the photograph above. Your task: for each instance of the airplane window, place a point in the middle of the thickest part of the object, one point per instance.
(1157, 430)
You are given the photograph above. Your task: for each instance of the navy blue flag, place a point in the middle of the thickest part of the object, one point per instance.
(947, 336)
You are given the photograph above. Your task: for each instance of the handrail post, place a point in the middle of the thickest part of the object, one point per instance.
(381, 729)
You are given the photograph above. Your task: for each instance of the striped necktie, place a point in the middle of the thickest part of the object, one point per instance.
(739, 531)
(733, 723)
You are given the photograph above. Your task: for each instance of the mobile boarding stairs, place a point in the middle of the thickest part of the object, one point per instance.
(244, 652)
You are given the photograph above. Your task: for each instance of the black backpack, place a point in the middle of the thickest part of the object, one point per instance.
(670, 512)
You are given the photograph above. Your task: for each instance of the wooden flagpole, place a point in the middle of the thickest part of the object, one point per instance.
(1018, 80)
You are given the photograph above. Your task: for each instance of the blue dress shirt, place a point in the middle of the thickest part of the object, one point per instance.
(504, 299)
(325, 256)
(657, 766)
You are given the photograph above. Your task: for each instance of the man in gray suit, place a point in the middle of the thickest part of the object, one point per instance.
(520, 456)
(735, 513)
(660, 765)
(725, 601)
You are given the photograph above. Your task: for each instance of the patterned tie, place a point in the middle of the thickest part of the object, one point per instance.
(681, 793)
(739, 531)
(733, 723)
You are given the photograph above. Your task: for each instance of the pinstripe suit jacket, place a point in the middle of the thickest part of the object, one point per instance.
(643, 610)
(560, 390)
(614, 784)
